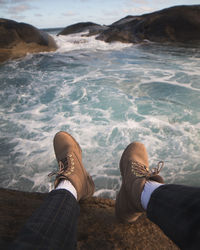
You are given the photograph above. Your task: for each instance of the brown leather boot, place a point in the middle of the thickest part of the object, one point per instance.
(69, 156)
(134, 168)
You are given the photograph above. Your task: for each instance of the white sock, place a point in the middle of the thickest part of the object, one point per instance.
(149, 187)
(65, 184)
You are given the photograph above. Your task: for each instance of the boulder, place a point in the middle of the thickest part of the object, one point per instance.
(97, 226)
(18, 39)
(178, 24)
(92, 28)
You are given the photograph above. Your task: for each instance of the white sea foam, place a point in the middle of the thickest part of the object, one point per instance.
(80, 42)
(106, 193)
(106, 96)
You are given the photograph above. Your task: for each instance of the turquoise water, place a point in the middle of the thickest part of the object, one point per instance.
(106, 96)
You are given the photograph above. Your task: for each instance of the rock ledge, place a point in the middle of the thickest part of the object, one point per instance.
(97, 228)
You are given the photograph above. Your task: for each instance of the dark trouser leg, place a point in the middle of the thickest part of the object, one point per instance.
(53, 225)
(176, 210)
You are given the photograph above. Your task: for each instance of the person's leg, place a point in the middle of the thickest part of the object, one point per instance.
(134, 168)
(54, 224)
(176, 210)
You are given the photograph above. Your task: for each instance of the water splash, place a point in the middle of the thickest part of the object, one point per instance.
(106, 96)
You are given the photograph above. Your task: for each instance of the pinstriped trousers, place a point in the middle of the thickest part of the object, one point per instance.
(176, 210)
(53, 225)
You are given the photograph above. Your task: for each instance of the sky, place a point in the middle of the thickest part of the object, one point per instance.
(61, 13)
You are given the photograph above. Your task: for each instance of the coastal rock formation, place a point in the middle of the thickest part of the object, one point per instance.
(18, 39)
(97, 227)
(92, 28)
(175, 24)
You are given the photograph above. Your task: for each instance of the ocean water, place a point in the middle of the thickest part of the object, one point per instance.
(106, 96)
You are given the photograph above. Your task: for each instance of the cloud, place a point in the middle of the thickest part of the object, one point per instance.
(69, 13)
(19, 8)
(140, 1)
(3, 3)
(138, 10)
(13, 2)
(18, 1)
(18, 18)
(111, 13)
(38, 15)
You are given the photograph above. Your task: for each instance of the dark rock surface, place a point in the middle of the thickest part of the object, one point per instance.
(18, 39)
(92, 28)
(97, 227)
(175, 24)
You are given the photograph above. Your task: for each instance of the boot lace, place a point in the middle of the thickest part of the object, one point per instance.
(63, 166)
(141, 170)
